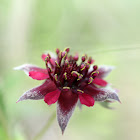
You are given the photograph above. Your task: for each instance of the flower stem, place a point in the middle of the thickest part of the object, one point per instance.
(46, 127)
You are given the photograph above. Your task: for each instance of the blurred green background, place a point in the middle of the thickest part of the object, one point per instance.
(107, 30)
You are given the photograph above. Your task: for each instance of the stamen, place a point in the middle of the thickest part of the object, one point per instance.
(57, 64)
(84, 58)
(67, 50)
(90, 80)
(57, 51)
(80, 91)
(82, 67)
(90, 60)
(47, 59)
(87, 65)
(66, 62)
(60, 55)
(49, 56)
(66, 88)
(75, 73)
(49, 69)
(80, 77)
(65, 75)
(94, 74)
(76, 57)
(56, 77)
(95, 67)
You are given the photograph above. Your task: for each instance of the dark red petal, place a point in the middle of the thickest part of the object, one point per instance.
(100, 82)
(104, 71)
(86, 99)
(27, 68)
(38, 75)
(65, 107)
(38, 92)
(101, 94)
(52, 97)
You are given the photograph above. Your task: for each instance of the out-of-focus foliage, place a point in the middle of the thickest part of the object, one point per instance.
(30, 27)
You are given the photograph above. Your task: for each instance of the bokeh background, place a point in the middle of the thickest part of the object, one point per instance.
(107, 30)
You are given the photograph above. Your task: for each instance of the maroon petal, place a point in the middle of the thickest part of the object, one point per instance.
(100, 82)
(38, 75)
(52, 97)
(101, 94)
(38, 92)
(86, 99)
(65, 107)
(33, 71)
(104, 71)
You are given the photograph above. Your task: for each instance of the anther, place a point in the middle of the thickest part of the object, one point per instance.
(47, 59)
(80, 91)
(95, 67)
(87, 66)
(80, 77)
(57, 51)
(65, 75)
(63, 54)
(90, 80)
(82, 67)
(94, 74)
(90, 60)
(67, 50)
(66, 88)
(75, 73)
(76, 57)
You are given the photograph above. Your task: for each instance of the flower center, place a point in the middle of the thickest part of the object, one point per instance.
(68, 74)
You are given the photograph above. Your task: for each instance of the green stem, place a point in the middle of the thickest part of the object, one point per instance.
(46, 127)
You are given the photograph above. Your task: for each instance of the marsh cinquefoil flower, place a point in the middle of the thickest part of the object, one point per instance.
(67, 81)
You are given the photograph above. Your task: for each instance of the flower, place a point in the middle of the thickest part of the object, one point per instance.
(67, 82)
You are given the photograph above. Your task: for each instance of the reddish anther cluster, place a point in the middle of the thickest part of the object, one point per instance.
(67, 74)
(68, 80)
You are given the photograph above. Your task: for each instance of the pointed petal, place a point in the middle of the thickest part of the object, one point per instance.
(101, 94)
(38, 75)
(65, 107)
(52, 97)
(86, 99)
(104, 70)
(100, 82)
(38, 92)
(33, 71)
